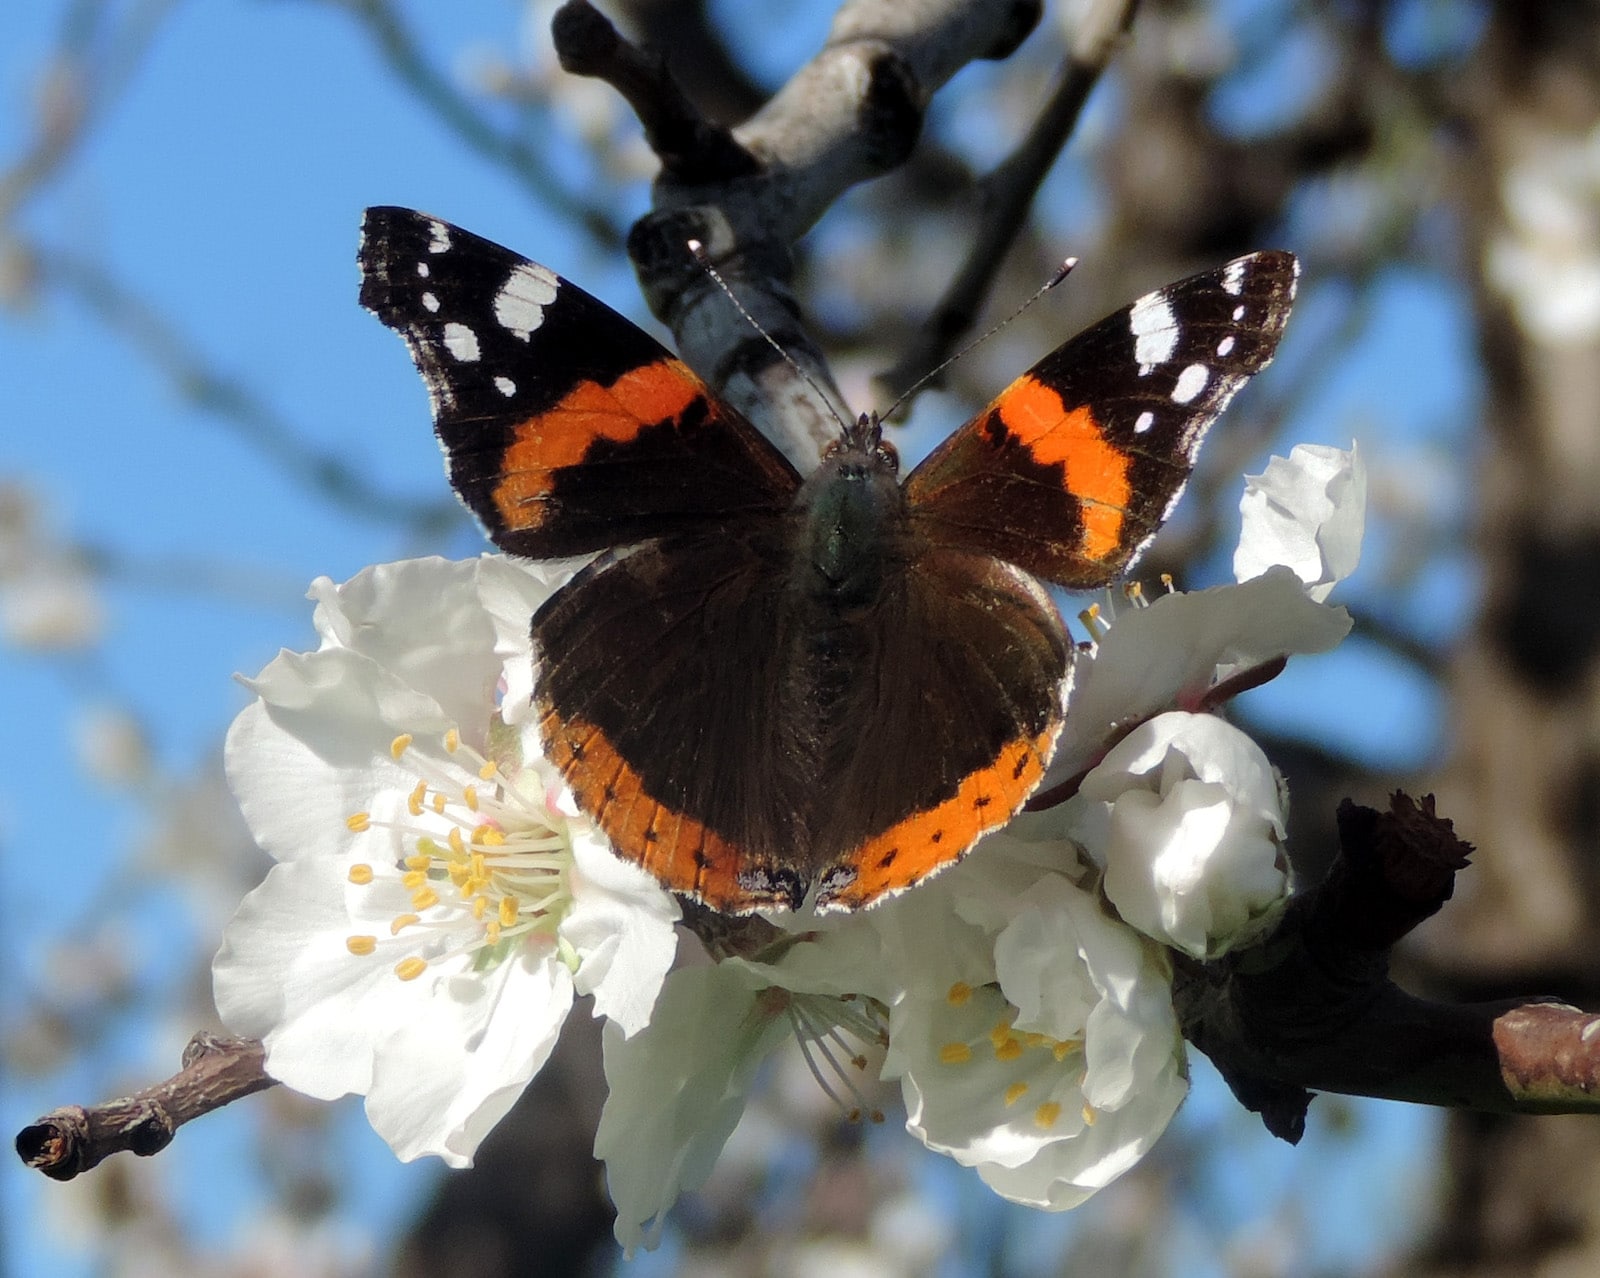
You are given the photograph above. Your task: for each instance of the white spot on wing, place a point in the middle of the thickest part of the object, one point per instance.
(430, 302)
(1225, 346)
(438, 237)
(1146, 420)
(461, 342)
(1155, 331)
(1233, 278)
(520, 303)
(505, 386)
(1190, 383)
(422, 269)
(1238, 313)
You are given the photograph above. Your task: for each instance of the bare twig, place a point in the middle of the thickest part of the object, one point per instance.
(84, 84)
(691, 148)
(232, 402)
(1004, 196)
(216, 1072)
(526, 164)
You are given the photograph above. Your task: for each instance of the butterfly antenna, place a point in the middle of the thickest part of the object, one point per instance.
(698, 250)
(1062, 271)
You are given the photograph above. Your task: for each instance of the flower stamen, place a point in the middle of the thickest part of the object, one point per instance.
(816, 1021)
(499, 871)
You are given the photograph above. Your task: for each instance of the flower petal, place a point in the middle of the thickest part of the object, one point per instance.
(1307, 512)
(455, 1063)
(677, 1089)
(621, 922)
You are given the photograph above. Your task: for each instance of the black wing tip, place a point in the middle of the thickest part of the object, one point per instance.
(390, 233)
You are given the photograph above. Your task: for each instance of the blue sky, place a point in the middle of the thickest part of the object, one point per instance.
(225, 188)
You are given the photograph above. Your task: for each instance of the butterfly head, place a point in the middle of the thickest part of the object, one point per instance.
(861, 449)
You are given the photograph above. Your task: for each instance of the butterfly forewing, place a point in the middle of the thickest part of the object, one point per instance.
(1074, 466)
(566, 427)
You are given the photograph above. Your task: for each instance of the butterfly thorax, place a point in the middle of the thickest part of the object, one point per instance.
(850, 524)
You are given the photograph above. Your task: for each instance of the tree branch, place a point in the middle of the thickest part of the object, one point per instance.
(691, 148)
(233, 403)
(1005, 195)
(526, 164)
(852, 112)
(1314, 1010)
(216, 1072)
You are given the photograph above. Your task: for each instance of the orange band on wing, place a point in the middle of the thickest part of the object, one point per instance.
(1096, 470)
(931, 840)
(562, 435)
(681, 853)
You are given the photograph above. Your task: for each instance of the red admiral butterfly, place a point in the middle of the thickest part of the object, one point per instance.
(768, 688)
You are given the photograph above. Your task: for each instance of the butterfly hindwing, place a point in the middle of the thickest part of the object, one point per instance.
(696, 708)
(566, 427)
(658, 698)
(952, 731)
(1074, 466)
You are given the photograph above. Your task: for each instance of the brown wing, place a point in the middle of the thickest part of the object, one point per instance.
(656, 700)
(948, 732)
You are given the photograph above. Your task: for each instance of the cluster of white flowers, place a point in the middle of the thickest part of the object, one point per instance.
(439, 901)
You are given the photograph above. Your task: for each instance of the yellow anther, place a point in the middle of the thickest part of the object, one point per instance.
(360, 874)
(399, 745)
(1008, 1049)
(356, 822)
(487, 771)
(1001, 1032)
(1065, 1048)
(1046, 1115)
(401, 922)
(361, 946)
(417, 861)
(958, 994)
(859, 1061)
(411, 880)
(480, 866)
(439, 802)
(1089, 1115)
(458, 845)
(1015, 1092)
(415, 798)
(491, 932)
(1033, 1039)
(426, 899)
(1166, 580)
(955, 1054)
(452, 741)
(508, 911)
(487, 836)
(480, 907)
(457, 872)
(470, 797)
(411, 968)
